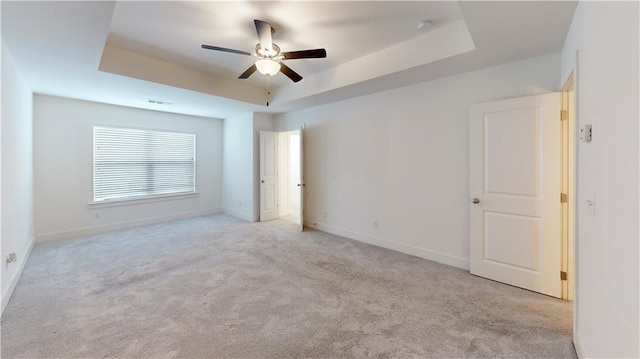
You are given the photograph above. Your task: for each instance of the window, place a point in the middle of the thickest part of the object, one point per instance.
(130, 163)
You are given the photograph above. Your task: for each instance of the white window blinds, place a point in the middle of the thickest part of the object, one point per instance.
(130, 163)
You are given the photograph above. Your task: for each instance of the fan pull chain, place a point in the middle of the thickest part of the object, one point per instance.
(268, 89)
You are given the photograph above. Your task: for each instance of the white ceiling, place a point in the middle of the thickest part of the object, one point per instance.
(129, 52)
(174, 31)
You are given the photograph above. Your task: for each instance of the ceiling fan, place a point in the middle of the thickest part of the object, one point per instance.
(269, 54)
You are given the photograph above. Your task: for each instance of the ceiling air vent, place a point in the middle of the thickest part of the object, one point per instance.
(160, 102)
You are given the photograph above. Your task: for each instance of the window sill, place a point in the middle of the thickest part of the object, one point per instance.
(141, 200)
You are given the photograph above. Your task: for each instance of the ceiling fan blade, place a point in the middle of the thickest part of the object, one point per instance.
(305, 54)
(249, 72)
(294, 76)
(264, 34)
(224, 49)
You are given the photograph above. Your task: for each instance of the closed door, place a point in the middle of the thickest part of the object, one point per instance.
(268, 175)
(515, 190)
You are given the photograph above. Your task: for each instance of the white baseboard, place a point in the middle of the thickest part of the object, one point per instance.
(87, 231)
(245, 216)
(443, 258)
(16, 276)
(577, 344)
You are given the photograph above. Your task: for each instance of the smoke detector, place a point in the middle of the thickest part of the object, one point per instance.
(423, 25)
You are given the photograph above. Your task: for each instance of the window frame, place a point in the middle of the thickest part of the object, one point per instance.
(150, 198)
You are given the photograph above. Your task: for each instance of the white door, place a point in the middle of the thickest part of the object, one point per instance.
(302, 184)
(268, 175)
(515, 189)
(294, 174)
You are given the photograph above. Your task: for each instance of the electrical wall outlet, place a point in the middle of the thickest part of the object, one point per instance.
(324, 214)
(12, 257)
(375, 224)
(585, 133)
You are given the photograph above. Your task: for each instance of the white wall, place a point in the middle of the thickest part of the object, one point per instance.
(242, 175)
(16, 216)
(607, 314)
(401, 158)
(63, 150)
(237, 170)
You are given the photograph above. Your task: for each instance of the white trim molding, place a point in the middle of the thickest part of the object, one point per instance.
(245, 216)
(131, 201)
(458, 262)
(577, 344)
(87, 231)
(6, 297)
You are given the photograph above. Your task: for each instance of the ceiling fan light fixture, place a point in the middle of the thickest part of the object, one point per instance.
(269, 55)
(268, 67)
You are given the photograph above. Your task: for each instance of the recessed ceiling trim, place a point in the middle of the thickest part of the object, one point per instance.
(130, 64)
(437, 44)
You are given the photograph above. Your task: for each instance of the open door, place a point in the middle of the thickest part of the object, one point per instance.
(296, 178)
(301, 182)
(268, 175)
(515, 188)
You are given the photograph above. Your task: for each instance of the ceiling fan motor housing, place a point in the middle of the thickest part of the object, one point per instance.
(264, 53)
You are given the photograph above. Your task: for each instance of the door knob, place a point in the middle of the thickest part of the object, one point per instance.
(298, 184)
(262, 181)
(475, 201)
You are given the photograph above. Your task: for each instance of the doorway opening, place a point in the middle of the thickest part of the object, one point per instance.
(282, 176)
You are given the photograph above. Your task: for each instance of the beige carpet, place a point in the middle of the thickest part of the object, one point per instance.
(218, 287)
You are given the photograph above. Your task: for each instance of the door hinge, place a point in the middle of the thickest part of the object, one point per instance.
(563, 198)
(563, 275)
(564, 115)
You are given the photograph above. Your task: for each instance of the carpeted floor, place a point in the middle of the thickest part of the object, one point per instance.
(218, 287)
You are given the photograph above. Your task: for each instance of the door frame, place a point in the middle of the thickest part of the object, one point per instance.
(572, 81)
(569, 186)
(283, 165)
